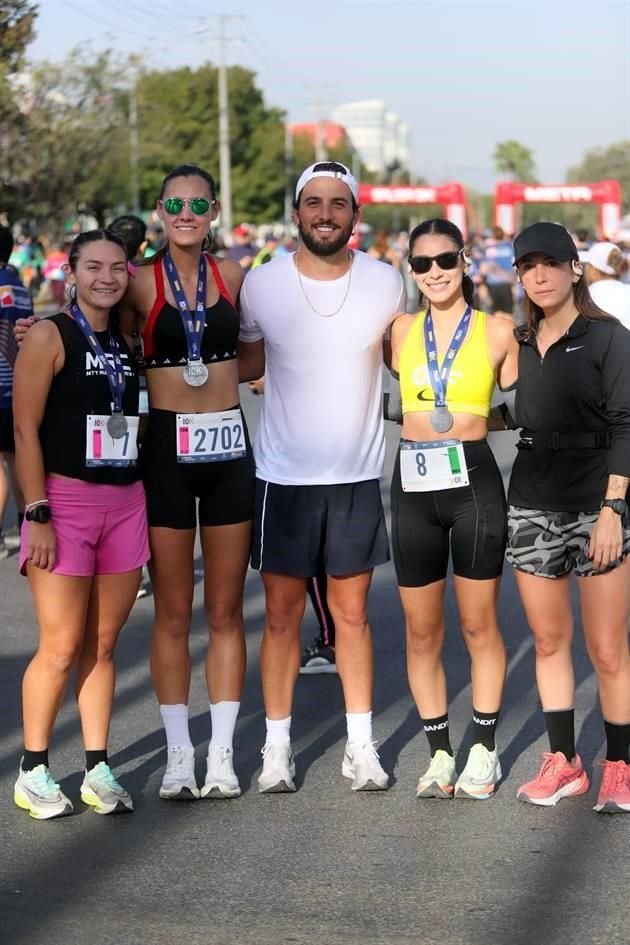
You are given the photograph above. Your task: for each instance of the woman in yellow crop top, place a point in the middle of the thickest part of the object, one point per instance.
(447, 496)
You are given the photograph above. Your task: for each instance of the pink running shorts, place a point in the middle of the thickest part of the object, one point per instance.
(99, 529)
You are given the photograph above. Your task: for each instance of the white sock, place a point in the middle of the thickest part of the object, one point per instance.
(223, 716)
(175, 722)
(278, 730)
(359, 727)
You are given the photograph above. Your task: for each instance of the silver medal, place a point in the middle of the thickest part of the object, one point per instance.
(195, 373)
(117, 425)
(441, 419)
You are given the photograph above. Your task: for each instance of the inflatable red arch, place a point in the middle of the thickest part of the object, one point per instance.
(606, 193)
(451, 196)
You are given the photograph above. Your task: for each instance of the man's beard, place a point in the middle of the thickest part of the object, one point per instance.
(330, 247)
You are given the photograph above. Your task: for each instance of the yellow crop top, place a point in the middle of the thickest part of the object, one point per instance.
(472, 379)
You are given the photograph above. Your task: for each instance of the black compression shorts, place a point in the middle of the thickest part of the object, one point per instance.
(225, 489)
(470, 522)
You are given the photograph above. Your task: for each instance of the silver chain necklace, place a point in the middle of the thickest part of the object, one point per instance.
(308, 301)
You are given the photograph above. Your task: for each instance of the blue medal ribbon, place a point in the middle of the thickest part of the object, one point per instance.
(439, 376)
(194, 324)
(115, 372)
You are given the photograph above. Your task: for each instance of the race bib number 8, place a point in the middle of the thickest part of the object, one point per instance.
(433, 466)
(101, 449)
(210, 437)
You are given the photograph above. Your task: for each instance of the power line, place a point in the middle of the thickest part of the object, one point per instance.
(114, 32)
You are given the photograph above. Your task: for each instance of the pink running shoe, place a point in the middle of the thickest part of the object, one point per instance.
(614, 794)
(557, 778)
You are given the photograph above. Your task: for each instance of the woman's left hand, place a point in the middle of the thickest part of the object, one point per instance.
(606, 542)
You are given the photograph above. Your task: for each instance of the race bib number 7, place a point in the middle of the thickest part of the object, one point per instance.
(210, 437)
(101, 449)
(433, 466)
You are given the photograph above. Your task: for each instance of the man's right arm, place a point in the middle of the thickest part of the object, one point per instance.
(251, 360)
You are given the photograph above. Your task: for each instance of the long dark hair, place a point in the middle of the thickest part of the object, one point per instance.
(583, 302)
(442, 227)
(183, 170)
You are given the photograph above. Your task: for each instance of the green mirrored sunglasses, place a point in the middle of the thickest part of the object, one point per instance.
(175, 205)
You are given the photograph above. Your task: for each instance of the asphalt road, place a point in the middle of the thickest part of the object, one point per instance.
(323, 866)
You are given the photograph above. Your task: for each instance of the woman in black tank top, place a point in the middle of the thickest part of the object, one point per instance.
(84, 540)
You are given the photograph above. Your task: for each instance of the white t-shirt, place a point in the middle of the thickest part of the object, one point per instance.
(322, 413)
(612, 297)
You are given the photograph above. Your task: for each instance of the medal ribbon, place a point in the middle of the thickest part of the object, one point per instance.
(115, 372)
(193, 323)
(439, 376)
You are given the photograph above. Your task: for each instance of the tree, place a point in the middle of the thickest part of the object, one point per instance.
(515, 159)
(178, 122)
(17, 30)
(611, 163)
(17, 21)
(70, 148)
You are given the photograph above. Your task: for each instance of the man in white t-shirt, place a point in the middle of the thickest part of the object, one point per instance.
(314, 322)
(605, 267)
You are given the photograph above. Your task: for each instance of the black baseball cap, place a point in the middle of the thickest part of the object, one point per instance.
(552, 239)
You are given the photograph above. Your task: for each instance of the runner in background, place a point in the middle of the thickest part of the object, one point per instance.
(15, 302)
(605, 267)
(497, 273)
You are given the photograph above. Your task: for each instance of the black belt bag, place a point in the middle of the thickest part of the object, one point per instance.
(564, 441)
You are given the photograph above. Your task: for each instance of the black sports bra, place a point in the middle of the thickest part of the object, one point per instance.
(164, 339)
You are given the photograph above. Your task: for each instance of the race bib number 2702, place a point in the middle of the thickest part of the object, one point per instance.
(210, 437)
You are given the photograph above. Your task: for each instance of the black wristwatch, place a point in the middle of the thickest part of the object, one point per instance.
(40, 514)
(620, 506)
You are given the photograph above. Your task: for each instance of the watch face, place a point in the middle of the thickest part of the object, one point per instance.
(41, 515)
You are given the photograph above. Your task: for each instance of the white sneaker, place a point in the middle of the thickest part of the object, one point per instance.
(278, 769)
(102, 791)
(221, 780)
(481, 774)
(362, 764)
(439, 778)
(37, 792)
(178, 783)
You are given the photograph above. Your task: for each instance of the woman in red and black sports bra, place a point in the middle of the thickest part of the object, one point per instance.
(196, 452)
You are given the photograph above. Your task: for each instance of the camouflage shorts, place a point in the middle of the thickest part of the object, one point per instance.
(552, 544)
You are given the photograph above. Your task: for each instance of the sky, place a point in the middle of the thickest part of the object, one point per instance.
(464, 74)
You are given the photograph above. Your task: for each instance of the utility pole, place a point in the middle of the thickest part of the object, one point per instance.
(225, 166)
(133, 144)
(288, 177)
(318, 104)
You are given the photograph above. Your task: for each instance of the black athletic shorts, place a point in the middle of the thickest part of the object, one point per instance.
(7, 442)
(302, 531)
(470, 522)
(225, 489)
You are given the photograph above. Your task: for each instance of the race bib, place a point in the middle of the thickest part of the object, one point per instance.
(101, 449)
(430, 467)
(210, 437)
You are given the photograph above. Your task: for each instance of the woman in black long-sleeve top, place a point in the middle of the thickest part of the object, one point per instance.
(567, 507)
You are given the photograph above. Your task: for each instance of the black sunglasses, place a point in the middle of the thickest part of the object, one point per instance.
(422, 264)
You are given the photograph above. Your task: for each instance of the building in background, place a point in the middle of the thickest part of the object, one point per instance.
(377, 133)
